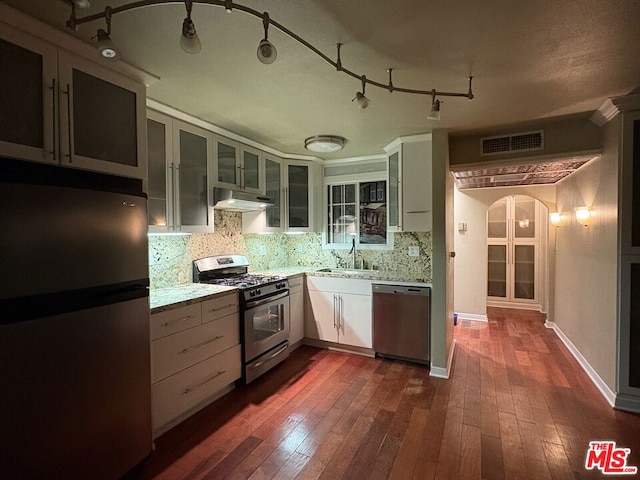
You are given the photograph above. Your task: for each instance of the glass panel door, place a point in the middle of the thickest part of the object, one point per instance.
(342, 219)
(250, 170)
(298, 198)
(394, 191)
(497, 271)
(524, 217)
(273, 187)
(227, 171)
(497, 219)
(157, 164)
(193, 191)
(524, 272)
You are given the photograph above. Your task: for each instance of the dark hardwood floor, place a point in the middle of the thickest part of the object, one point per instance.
(517, 406)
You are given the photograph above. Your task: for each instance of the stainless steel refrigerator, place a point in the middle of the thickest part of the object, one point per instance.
(74, 323)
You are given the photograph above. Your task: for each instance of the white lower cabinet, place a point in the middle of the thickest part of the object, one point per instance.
(296, 309)
(339, 311)
(195, 354)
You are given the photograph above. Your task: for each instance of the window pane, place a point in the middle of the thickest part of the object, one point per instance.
(524, 271)
(497, 271)
(193, 179)
(157, 155)
(226, 163)
(525, 215)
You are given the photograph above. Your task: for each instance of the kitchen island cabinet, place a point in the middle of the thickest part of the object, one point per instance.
(195, 351)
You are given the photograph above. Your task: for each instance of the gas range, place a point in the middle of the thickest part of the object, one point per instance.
(264, 310)
(231, 270)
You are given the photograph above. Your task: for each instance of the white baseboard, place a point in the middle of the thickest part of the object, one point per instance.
(604, 389)
(474, 317)
(440, 372)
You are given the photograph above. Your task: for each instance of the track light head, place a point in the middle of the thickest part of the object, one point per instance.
(189, 40)
(362, 101)
(105, 46)
(360, 98)
(267, 52)
(434, 114)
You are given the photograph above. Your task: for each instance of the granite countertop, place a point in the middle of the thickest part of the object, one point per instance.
(179, 295)
(375, 275)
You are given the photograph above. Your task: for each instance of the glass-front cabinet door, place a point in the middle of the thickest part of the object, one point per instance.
(513, 249)
(273, 190)
(227, 163)
(251, 169)
(394, 198)
(192, 147)
(28, 86)
(161, 171)
(298, 193)
(102, 119)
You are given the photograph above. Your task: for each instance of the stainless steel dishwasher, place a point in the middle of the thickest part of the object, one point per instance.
(401, 322)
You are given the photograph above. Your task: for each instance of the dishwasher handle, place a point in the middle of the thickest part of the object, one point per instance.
(379, 288)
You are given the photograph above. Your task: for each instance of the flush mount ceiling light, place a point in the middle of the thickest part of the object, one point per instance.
(324, 143)
(267, 52)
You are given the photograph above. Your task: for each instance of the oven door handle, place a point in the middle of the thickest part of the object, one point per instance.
(270, 357)
(257, 303)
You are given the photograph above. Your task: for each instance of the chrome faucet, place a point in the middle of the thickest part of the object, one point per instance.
(354, 252)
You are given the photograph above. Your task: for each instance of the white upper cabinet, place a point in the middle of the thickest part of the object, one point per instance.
(298, 196)
(238, 166)
(58, 107)
(273, 176)
(409, 205)
(179, 188)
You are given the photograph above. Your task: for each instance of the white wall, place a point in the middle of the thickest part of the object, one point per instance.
(470, 207)
(586, 259)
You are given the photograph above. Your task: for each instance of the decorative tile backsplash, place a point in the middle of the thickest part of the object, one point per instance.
(171, 257)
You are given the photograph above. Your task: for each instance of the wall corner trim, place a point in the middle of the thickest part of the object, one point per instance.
(628, 403)
(604, 389)
(474, 317)
(440, 372)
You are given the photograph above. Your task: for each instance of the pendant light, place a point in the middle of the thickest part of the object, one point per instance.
(189, 40)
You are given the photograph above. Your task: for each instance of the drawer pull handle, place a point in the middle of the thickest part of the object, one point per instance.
(418, 211)
(178, 320)
(223, 307)
(188, 349)
(203, 382)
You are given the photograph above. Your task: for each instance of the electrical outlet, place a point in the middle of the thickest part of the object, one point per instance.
(414, 251)
(262, 250)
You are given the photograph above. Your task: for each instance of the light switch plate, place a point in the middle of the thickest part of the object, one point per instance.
(414, 251)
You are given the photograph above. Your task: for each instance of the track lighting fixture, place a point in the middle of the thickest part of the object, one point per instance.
(189, 40)
(267, 52)
(362, 101)
(434, 114)
(105, 46)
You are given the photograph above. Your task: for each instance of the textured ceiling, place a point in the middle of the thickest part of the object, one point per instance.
(530, 60)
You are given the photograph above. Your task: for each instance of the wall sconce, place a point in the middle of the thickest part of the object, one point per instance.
(555, 218)
(584, 216)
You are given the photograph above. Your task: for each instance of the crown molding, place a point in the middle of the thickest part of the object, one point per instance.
(612, 106)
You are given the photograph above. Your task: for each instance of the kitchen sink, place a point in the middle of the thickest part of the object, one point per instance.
(347, 271)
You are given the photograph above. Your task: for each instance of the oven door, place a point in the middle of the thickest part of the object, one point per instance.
(266, 324)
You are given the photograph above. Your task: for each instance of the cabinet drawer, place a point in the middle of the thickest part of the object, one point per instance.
(219, 307)
(175, 320)
(183, 349)
(185, 390)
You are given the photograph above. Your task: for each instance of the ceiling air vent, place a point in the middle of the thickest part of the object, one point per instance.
(519, 142)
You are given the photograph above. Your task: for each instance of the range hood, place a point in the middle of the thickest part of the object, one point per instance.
(238, 201)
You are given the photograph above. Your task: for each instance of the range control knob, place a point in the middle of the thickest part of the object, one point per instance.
(258, 292)
(252, 293)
